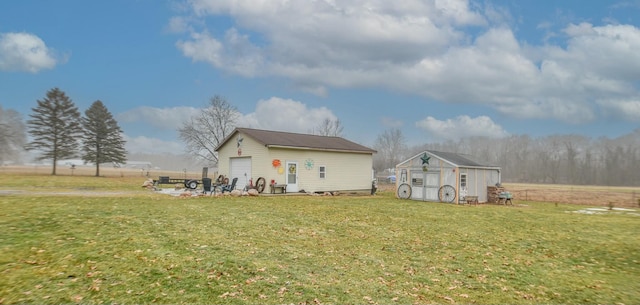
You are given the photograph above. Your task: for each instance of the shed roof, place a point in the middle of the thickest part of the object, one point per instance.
(455, 159)
(299, 141)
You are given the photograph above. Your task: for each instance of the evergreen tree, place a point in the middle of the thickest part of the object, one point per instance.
(54, 127)
(102, 139)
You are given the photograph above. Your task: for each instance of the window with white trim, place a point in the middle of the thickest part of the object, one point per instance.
(323, 171)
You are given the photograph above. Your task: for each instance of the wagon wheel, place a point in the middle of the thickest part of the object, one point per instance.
(192, 184)
(404, 191)
(447, 193)
(260, 184)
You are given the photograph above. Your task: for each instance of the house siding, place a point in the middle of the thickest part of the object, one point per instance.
(345, 171)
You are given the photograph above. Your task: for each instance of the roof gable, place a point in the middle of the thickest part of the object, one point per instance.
(452, 158)
(297, 140)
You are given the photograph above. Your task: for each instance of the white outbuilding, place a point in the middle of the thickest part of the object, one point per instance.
(445, 177)
(294, 162)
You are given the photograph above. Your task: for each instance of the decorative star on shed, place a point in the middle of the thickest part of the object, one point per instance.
(425, 159)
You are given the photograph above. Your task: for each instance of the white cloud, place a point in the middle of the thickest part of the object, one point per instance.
(273, 114)
(461, 127)
(626, 109)
(423, 48)
(202, 47)
(147, 145)
(235, 53)
(378, 31)
(285, 115)
(161, 118)
(25, 52)
(178, 24)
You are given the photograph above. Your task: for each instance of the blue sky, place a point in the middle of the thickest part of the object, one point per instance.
(437, 70)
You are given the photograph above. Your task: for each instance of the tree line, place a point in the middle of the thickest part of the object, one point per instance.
(563, 159)
(58, 132)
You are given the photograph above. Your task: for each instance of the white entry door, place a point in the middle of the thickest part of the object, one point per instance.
(240, 168)
(292, 176)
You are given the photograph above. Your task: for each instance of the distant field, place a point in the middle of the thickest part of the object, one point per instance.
(104, 171)
(577, 194)
(119, 243)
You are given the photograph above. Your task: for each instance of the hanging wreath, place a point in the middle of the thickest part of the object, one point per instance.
(276, 163)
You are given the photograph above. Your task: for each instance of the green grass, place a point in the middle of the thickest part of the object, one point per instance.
(46, 183)
(149, 248)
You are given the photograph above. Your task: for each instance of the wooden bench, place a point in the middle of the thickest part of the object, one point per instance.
(471, 199)
(274, 186)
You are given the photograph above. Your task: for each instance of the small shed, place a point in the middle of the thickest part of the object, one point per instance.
(297, 161)
(444, 177)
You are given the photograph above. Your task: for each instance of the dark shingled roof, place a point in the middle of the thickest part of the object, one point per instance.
(298, 140)
(458, 159)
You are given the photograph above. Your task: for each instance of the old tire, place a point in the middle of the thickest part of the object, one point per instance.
(192, 184)
(260, 184)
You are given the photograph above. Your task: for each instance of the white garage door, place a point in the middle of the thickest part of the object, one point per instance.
(240, 168)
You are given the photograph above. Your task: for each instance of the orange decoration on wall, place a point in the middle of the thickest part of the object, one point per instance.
(276, 163)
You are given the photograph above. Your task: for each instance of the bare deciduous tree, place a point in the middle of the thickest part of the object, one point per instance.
(572, 159)
(391, 149)
(331, 128)
(12, 134)
(203, 132)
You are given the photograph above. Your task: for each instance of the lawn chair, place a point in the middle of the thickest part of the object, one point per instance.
(230, 187)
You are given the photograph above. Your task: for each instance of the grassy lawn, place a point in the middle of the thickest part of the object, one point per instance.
(140, 247)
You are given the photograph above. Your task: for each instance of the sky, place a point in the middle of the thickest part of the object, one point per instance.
(437, 70)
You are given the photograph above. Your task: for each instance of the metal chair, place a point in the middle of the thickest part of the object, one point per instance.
(230, 187)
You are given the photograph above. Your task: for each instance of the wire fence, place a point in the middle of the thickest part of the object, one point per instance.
(583, 195)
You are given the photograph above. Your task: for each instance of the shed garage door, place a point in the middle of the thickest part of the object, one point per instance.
(240, 168)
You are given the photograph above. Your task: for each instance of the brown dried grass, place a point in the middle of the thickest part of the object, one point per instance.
(91, 171)
(576, 194)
